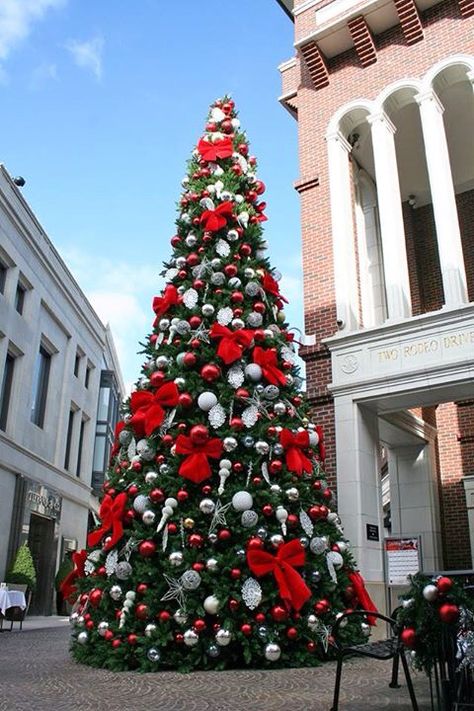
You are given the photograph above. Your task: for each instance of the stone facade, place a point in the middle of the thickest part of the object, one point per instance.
(54, 352)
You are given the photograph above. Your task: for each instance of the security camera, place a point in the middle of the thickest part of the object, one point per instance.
(340, 323)
(19, 181)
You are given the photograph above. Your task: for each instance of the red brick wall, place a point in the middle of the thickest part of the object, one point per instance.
(446, 32)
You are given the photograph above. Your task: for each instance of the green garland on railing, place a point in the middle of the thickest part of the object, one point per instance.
(431, 608)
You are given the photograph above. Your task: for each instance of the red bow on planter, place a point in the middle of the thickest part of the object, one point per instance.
(293, 589)
(196, 466)
(293, 444)
(271, 287)
(214, 220)
(67, 587)
(221, 148)
(147, 407)
(110, 513)
(267, 360)
(365, 601)
(161, 304)
(232, 342)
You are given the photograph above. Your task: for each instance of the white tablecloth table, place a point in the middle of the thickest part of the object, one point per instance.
(11, 598)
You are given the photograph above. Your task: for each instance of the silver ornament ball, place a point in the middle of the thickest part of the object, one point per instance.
(223, 637)
(153, 654)
(191, 638)
(82, 637)
(272, 652)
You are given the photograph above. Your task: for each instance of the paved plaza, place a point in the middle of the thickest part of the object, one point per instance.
(36, 673)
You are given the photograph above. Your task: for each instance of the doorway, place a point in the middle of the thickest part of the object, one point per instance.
(41, 544)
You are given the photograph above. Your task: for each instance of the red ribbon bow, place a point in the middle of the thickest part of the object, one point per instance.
(110, 513)
(293, 589)
(196, 465)
(267, 360)
(221, 148)
(232, 342)
(214, 220)
(365, 601)
(293, 444)
(161, 304)
(147, 407)
(67, 587)
(272, 287)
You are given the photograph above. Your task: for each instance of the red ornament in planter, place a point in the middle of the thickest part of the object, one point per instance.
(95, 596)
(448, 613)
(444, 584)
(141, 611)
(408, 637)
(147, 548)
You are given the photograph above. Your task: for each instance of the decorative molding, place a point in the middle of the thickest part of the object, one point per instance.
(410, 20)
(303, 184)
(466, 7)
(315, 64)
(363, 40)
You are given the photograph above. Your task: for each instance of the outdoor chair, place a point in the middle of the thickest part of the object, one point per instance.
(389, 648)
(16, 614)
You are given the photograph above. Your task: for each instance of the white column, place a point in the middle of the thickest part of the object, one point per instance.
(468, 482)
(397, 283)
(345, 273)
(444, 200)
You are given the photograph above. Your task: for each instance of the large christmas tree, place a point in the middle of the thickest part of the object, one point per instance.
(218, 542)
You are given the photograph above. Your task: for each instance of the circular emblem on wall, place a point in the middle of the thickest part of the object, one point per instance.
(349, 364)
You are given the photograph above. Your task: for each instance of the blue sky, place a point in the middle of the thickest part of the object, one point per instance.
(101, 104)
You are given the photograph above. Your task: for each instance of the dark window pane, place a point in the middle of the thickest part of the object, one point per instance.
(77, 364)
(88, 376)
(70, 427)
(20, 298)
(99, 453)
(81, 444)
(3, 277)
(40, 386)
(7, 382)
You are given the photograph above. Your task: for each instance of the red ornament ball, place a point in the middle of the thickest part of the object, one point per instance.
(132, 639)
(210, 372)
(278, 613)
(259, 307)
(199, 625)
(141, 611)
(275, 466)
(255, 543)
(237, 297)
(179, 638)
(164, 616)
(444, 584)
(195, 540)
(142, 588)
(267, 510)
(116, 643)
(234, 604)
(206, 489)
(311, 647)
(194, 321)
(109, 634)
(185, 400)
(182, 495)
(172, 528)
(246, 629)
(449, 613)
(224, 534)
(156, 378)
(230, 270)
(259, 617)
(95, 596)
(292, 633)
(235, 573)
(199, 434)
(245, 249)
(199, 567)
(190, 359)
(147, 548)
(90, 624)
(156, 495)
(408, 637)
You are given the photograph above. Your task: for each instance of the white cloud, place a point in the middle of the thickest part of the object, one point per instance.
(121, 293)
(88, 54)
(42, 74)
(17, 18)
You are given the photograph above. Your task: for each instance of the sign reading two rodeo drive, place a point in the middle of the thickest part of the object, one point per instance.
(429, 342)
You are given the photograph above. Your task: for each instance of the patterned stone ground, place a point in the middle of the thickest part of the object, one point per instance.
(37, 674)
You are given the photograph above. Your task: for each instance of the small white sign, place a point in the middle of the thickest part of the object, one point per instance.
(403, 559)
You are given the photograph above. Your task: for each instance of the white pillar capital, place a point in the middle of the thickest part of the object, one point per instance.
(336, 136)
(381, 117)
(448, 234)
(397, 282)
(429, 96)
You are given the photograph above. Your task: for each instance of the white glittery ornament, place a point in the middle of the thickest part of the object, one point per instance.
(217, 416)
(123, 570)
(251, 593)
(250, 416)
(223, 637)
(253, 372)
(190, 298)
(111, 562)
(235, 376)
(150, 630)
(225, 315)
(115, 592)
(318, 545)
(222, 248)
(141, 503)
(249, 519)
(191, 638)
(190, 580)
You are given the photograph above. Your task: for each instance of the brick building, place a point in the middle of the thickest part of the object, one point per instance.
(383, 94)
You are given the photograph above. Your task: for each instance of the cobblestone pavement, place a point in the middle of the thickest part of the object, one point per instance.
(36, 673)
